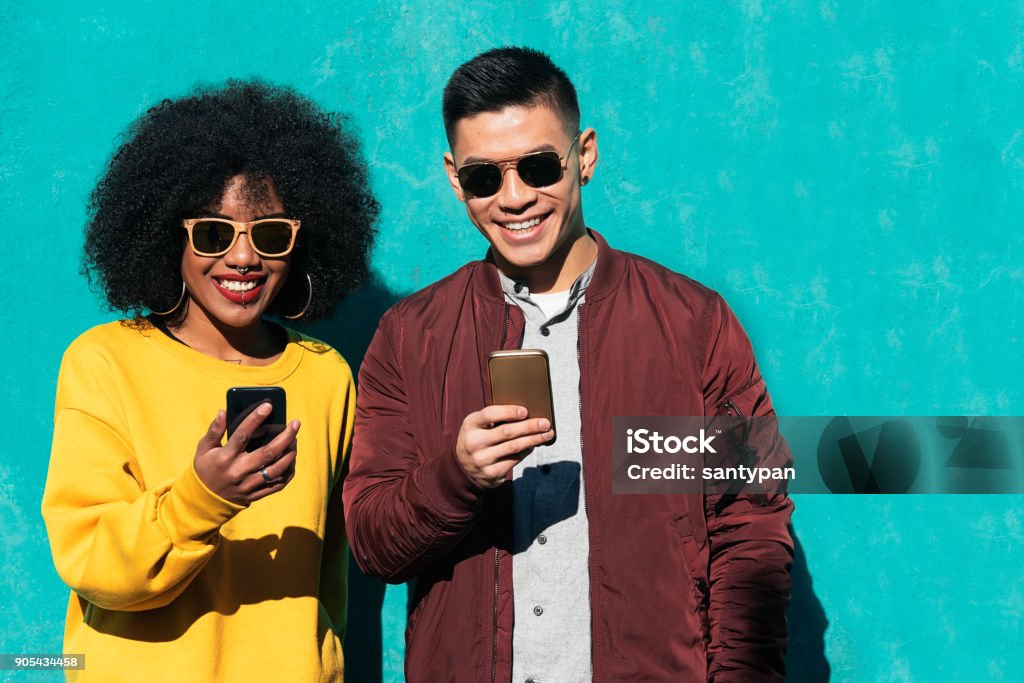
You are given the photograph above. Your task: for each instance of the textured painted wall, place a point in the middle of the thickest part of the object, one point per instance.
(848, 174)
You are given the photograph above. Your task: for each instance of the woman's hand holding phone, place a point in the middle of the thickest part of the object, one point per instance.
(491, 442)
(241, 476)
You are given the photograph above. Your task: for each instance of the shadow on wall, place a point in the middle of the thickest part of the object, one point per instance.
(350, 330)
(351, 327)
(805, 656)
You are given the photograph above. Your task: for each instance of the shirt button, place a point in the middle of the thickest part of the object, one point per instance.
(545, 331)
(538, 610)
(542, 539)
(544, 469)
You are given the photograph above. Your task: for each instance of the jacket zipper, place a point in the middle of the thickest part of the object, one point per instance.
(729, 405)
(504, 328)
(583, 485)
(494, 606)
(731, 409)
(494, 615)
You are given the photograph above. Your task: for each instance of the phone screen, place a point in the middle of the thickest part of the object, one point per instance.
(241, 401)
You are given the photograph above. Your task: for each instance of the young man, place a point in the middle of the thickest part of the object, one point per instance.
(528, 567)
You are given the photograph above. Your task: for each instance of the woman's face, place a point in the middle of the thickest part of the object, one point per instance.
(236, 289)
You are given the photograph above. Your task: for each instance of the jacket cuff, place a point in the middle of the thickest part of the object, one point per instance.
(448, 490)
(191, 513)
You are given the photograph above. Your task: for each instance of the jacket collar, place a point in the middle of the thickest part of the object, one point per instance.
(611, 265)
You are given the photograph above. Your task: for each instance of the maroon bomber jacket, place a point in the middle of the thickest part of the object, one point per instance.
(682, 587)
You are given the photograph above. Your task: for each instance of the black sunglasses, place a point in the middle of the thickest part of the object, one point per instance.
(538, 169)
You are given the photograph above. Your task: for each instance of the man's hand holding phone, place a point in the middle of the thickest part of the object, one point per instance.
(242, 476)
(491, 442)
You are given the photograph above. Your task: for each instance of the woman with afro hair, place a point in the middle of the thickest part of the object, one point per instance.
(191, 556)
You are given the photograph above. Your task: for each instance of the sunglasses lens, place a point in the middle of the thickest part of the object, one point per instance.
(212, 237)
(480, 180)
(540, 170)
(272, 238)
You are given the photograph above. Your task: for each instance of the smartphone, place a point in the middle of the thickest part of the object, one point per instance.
(241, 401)
(522, 377)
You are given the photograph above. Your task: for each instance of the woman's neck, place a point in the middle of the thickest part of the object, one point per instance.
(257, 344)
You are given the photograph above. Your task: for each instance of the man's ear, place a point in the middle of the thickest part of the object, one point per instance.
(453, 178)
(588, 155)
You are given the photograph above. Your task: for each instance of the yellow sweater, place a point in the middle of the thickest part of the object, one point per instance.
(169, 581)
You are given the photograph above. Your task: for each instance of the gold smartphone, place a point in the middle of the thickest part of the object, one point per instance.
(521, 377)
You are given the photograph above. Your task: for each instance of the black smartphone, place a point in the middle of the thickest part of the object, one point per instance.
(241, 401)
(522, 377)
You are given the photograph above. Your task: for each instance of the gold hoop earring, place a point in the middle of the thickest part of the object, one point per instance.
(309, 300)
(176, 306)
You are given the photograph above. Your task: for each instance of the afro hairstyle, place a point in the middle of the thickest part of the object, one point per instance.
(176, 160)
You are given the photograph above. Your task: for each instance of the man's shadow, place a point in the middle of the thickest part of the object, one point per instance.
(805, 655)
(349, 331)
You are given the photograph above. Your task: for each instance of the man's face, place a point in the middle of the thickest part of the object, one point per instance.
(530, 228)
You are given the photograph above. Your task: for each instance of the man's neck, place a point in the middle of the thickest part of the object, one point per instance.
(560, 271)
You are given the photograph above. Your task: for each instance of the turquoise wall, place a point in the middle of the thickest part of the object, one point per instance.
(848, 174)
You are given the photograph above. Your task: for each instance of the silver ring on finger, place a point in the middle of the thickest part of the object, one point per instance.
(266, 477)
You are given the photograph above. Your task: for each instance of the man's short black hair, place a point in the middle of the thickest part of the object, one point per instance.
(509, 77)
